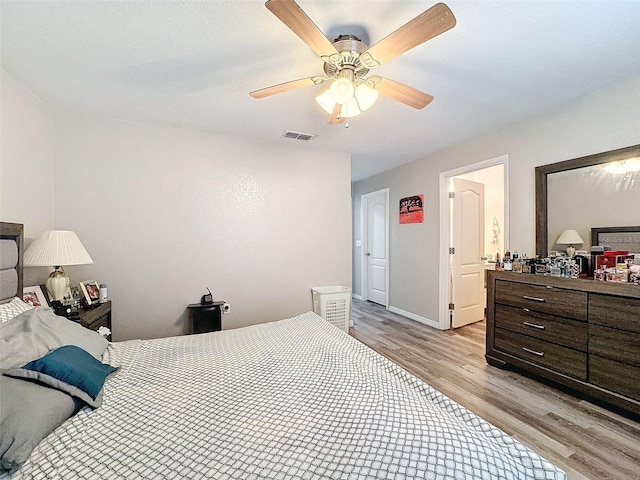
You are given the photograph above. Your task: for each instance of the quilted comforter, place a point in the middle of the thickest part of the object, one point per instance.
(293, 399)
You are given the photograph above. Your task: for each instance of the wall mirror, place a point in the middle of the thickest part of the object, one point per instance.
(596, 191)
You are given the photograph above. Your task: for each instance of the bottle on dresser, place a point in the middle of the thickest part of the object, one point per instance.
(507, 264)
(517, 263)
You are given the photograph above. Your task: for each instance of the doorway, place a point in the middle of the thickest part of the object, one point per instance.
(375, 246)
(493, 175)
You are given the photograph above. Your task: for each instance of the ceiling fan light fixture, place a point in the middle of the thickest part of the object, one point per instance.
(366, 96)
(623, 167)
(342, 90)
(348, 60)
(350, 109)
(325, 100)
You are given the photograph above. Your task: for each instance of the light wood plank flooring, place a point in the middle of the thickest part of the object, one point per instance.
(585, 440)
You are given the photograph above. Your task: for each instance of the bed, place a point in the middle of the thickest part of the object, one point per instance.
(617, 238)
(296, 398)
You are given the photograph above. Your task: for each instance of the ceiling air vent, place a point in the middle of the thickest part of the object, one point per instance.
(297, 135)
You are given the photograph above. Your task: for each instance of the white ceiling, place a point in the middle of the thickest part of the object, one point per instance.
(191, 64)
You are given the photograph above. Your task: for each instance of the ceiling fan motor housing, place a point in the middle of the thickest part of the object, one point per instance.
(350, 48)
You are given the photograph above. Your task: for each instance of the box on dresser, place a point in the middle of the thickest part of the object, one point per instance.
(581, 334)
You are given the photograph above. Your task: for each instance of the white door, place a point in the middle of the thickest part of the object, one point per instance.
(468, 244)
(375, 246)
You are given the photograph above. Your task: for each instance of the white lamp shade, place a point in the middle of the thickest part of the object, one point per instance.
(350, 109)
(56, 248)
(342, 90)
(326, 101)
(366, 96)
(569, 237)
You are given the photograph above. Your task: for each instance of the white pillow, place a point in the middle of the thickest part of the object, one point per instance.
(12, 309)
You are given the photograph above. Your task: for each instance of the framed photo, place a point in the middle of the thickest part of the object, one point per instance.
(90, 291)
(35, 296)
(411, 209)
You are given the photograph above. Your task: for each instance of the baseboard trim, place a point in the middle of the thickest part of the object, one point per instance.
(413, 316)
(357, 297)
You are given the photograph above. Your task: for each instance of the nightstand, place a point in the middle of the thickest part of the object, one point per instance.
(205, 318)
(95, 318)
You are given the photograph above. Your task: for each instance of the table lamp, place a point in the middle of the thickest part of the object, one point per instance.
(570, 238)
(55, 248)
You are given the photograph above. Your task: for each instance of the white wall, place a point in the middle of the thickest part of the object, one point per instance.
(166, 212)
(605, 120)
(26, 164)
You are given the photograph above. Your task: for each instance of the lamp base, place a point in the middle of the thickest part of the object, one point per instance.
(571, 251)
(57, 284)
(60, 309)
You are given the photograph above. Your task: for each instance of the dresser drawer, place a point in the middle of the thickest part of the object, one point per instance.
(563, 331)
(615, 344)
(561, 359)
(97, 323)
(616, 376)
(540, 298)
(616, 312)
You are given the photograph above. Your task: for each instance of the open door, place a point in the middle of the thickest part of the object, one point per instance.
(468, 249)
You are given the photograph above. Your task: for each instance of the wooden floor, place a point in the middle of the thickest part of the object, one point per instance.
(585, 440)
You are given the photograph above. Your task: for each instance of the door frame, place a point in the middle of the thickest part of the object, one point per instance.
(445, 221)
(364, 200)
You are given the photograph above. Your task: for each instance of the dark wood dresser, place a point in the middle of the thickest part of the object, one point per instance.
(582, 334)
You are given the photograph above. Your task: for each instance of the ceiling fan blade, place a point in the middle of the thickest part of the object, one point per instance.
(285, 87)
(403, 93)
(335, 117)
(431, 23)
(294, 17)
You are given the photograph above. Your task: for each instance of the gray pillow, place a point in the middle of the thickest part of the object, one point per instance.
(35, 332)
(28, 413)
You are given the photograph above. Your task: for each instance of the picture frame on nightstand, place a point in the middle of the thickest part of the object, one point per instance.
(90, 291)
(35, 296)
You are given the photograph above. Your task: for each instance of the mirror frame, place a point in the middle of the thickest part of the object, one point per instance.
(543, 171)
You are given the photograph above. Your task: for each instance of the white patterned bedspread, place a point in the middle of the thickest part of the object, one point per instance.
(294, 399)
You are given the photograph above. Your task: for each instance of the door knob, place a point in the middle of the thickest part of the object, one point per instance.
(368, 254)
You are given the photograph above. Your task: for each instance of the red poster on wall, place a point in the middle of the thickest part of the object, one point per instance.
(412, 209)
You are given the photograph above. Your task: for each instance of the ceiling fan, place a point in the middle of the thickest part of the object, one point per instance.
(347, 61)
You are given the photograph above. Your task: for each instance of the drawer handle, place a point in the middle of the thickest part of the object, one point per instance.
(540, 354)
(533, 325)
(535, 299)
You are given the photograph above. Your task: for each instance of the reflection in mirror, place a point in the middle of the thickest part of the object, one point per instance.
(600, 190)
(598, 196)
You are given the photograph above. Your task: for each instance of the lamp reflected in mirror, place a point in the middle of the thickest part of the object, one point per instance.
(570, 238)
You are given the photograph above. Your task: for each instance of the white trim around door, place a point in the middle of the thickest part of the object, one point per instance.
(445, 230)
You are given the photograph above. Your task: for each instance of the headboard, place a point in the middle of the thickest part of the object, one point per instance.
(618, 238)
(11, 250)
